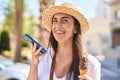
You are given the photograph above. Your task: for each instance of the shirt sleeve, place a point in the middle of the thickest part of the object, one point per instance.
(95, 68)
(44, 66)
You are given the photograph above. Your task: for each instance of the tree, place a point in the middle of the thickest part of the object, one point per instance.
(18, 28)
(29, 25)
(9, 16)
(44, 34)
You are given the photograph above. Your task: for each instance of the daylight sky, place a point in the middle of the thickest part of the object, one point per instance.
(88, 7)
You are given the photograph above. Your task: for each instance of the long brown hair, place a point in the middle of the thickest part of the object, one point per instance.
(77, 53)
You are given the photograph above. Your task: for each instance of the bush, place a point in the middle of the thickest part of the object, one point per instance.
(5, 41)
(0, 47)
(24, 43)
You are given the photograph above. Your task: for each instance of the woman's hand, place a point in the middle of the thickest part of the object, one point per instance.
(84, 77)
(35, 54)
(33, 74)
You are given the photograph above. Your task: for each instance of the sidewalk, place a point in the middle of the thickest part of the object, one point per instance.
(109, 71)
(111, 65)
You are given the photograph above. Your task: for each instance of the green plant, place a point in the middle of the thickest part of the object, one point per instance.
(5, 41)
(0, 47)
(24, 43)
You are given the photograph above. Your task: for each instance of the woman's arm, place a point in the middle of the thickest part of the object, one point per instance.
(33, 74)
(95, 68)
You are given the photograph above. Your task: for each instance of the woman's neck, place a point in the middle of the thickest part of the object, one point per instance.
(64, 49)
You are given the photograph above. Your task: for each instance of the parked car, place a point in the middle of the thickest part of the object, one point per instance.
(13, 71)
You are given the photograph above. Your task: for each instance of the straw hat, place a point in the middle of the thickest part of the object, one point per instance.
(66, 8)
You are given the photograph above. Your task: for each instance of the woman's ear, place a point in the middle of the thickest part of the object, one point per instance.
(75, 31)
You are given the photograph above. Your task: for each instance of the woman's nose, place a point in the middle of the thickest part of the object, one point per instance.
(58, 24)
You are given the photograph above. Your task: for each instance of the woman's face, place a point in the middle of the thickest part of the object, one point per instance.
(63, 27)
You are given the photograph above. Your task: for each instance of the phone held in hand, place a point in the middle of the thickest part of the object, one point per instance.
(30, 39)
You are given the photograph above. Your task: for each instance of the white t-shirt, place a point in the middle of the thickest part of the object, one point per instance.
(45, 66)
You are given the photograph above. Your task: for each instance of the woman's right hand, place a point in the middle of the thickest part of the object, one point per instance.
(33, 74)
(35, 54)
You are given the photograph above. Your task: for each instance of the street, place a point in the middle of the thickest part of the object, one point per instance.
(108, 73)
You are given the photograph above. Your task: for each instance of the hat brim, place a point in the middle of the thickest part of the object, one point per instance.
(48, 14)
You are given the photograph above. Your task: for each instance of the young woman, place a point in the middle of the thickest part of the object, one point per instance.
(65, 54)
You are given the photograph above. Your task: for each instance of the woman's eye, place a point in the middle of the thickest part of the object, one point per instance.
(65, 20)
(54, 21)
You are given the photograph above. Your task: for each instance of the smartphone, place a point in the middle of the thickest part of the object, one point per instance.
(30, 39)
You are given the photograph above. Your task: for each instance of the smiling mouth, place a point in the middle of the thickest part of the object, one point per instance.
(59, 32)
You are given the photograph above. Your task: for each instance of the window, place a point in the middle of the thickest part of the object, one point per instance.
(117, 14)
(116, 37)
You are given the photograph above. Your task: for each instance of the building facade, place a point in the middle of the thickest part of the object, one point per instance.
(110, 10)
(104, 34)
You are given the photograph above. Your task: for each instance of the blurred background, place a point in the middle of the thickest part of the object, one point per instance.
(18, 17)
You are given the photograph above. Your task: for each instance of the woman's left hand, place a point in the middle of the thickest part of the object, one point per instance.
(84, 77)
